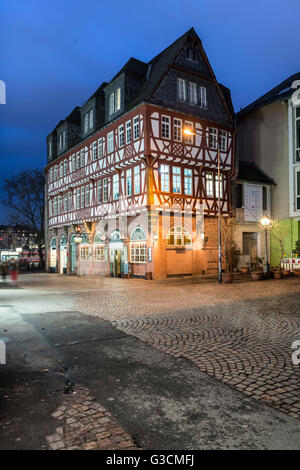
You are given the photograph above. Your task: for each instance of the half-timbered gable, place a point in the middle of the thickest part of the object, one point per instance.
(147, 152)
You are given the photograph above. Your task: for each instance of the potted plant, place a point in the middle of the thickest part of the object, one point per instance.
(258, 273)
(230, 253)
(245, 269)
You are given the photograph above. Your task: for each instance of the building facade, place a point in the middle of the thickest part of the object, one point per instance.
(269, 136)
(132, 176)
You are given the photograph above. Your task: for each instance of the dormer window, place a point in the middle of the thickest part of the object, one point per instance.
(115, 101)
(191, 53)
(88, 121)
(50, 149)
(297, 133)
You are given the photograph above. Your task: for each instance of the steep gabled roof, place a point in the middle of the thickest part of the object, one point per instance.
(249, 171)
(281, 92)
(133, 66)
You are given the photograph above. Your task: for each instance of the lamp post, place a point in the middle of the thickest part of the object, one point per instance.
(189, 132)
(266, 222)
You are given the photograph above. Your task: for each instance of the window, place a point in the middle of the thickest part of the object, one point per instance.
(91, 119)
(55, 173)
(217, 186)
(203, 99)
(58, 204)
(116, 186)
(178, 236)
(137, 180)
(99, 191)
(69, 201)
(176, 179)
(77, 160)
(65, 202)
(78, 198)
(298, 190)
(213, 138)
(100, 253)
(51, 175)
(105, 190)
(85, 253)
(177, 130)
(136, 128)
(188, 183)
(64, 139)
(121, 136)
(82, 196)
(190, 53)
(165, 127)
(86, 122)
(60, 141)
(223, 140)
(73, 162)
(138, 249)
(128, 132)
(110, 142)
(129, 182)
(264, 198)
(115, 101)
(94, 150)
(193, 98)
(100, 148)
(61, 169)
(297, 133)
(82, 158)
(65, 167)
(209, 184)
(87, 195)
(181, 89)
(55, 206)
(189, 138)
(50, 149)
(164, 178)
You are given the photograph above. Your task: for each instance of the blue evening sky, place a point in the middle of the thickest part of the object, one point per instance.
(54, 54)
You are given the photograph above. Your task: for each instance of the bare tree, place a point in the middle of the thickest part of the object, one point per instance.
(24, 198)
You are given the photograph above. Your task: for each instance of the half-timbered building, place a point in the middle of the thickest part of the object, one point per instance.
(132, 176)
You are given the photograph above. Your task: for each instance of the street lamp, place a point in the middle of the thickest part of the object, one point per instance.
(189, 132)
(266, 222)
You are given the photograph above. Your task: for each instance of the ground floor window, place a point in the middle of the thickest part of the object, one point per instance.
(100, 253)
(85, 253)
(178, 236)
(138, 252)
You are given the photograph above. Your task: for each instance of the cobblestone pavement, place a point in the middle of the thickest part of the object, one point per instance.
(85, 425)
(240, 334)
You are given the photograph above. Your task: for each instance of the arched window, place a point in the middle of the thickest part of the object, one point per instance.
(138, 249)
(178, 236)
(63, 241)
(99, 249)
(85, 250)
(53, 243)
(115, 235)
(99, 238)
(138, 234)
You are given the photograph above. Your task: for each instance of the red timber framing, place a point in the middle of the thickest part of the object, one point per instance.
(146, 147)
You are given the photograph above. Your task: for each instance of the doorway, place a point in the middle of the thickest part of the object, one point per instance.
(115, 263)
(63, 256)
(250, 245)
(73, 259)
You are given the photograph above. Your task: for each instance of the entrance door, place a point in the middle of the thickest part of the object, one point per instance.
(250, 245)
(115, 263)
(73, 259)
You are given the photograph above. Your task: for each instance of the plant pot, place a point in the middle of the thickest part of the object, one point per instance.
(297, 272)
(245, 269)
(277, 274)
(285, 272)
(227, 278)
(257, 275)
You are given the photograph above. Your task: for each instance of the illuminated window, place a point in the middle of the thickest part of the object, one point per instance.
(100, 253)
(188, 181)
(217, 186)
(177, 129)
(178, 236)
(129, 182)
(116, 186)
(138, 248)
(85, 253)
(176, 171)
(115, 101)
(209, 184)
(189, 138)
(137, 180)
(165, 178)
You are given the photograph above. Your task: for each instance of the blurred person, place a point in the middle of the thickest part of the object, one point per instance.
(4, 270)
(13, 270)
